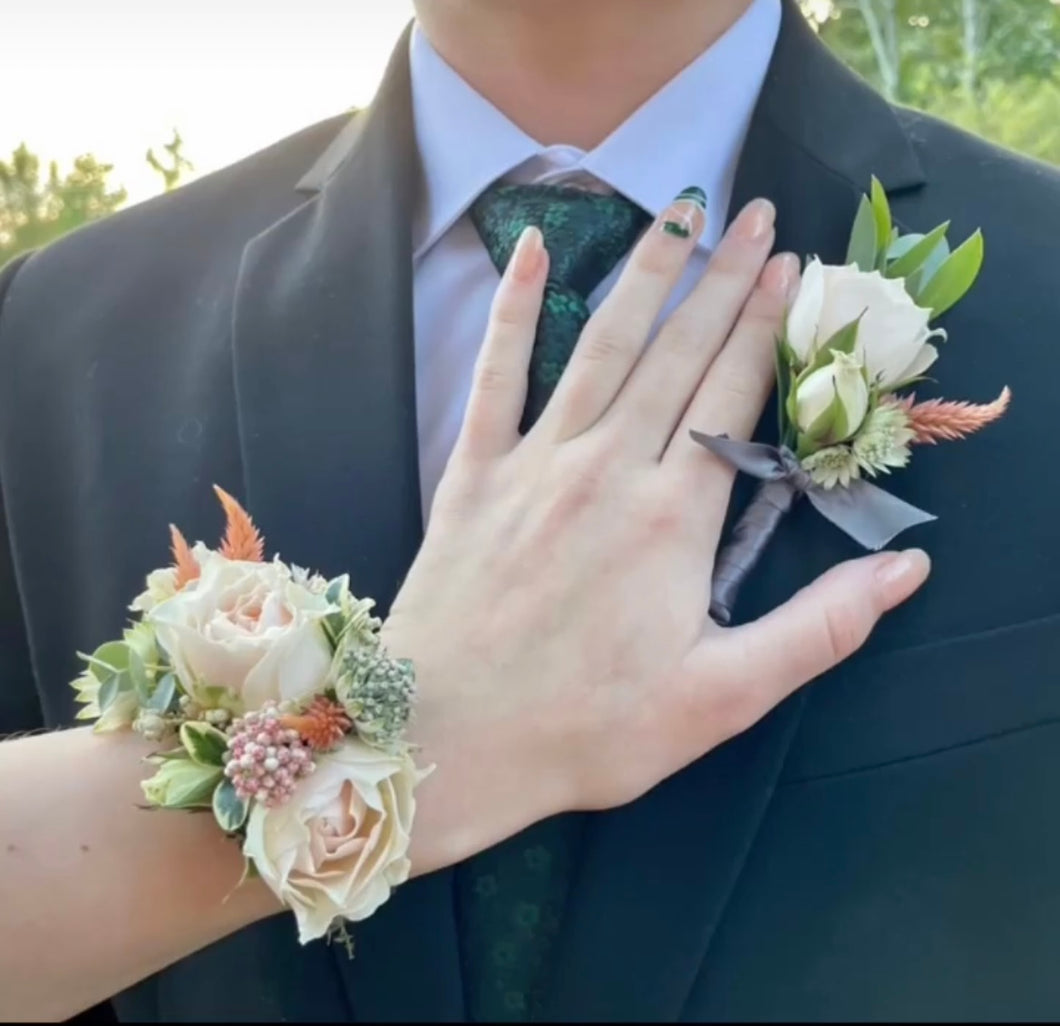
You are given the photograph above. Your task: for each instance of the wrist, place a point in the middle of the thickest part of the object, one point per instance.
(494, 772)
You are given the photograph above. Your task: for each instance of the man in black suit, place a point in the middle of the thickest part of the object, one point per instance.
(885, 845)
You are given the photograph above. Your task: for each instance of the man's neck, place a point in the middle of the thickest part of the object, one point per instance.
(571, 71)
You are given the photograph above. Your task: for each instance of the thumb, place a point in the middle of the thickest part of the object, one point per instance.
(820, 626)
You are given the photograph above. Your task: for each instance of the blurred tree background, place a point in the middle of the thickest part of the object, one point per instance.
(990, 66)
(36, 208)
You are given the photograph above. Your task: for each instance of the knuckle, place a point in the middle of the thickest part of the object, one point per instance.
(656, 258)
(507, 313)
(665, 513)
(841, 632)
(577, 488)
(493, 377)
(604, 344)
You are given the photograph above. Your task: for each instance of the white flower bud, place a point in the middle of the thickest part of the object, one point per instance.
(838, 388)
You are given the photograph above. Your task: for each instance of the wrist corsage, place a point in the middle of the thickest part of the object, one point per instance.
(276, 707)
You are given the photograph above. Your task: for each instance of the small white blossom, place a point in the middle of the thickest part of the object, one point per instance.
(883, 443)
(832, 467)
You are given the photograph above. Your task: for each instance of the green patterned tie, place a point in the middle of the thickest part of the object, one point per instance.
(511, 898)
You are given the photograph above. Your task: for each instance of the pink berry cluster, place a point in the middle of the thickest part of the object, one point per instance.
(265, 759)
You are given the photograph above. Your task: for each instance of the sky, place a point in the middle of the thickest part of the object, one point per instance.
(114, 77)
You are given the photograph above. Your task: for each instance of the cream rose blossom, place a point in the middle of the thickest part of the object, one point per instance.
(248, 627)
(339, 845)
(893, 335)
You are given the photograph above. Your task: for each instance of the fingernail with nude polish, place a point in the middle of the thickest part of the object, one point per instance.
(687, 215)
(904, 568)
(755, 219)
(783, 275)
(527, 254)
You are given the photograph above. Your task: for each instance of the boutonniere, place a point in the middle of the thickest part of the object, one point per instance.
(855, 338)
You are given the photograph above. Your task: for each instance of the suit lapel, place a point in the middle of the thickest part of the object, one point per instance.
(325, 384)
(656, 875)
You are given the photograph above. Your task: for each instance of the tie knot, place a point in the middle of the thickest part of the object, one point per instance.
(585, 233)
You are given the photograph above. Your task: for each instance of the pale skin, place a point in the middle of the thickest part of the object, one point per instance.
(571, 71)
(575, 562)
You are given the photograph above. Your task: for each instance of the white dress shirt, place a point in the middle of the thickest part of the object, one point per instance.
(689, 133)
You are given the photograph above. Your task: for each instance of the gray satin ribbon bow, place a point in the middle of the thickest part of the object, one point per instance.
(869, 515)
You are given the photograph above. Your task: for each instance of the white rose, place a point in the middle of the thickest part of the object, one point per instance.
(842, 379)
(247, 627)
(893, 334)
(338, 845)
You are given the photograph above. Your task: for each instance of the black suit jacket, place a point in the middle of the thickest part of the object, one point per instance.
(885, 845)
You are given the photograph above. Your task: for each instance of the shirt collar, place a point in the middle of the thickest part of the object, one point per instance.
(689, 133)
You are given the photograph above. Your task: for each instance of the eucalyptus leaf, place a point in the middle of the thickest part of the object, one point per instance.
(229, 809)
(955, 277)
(881, 212)
(108, 658)
(205, 744)
(862, 247)
(918, 254)
(930, 268)
(902, 244)
(164, 693)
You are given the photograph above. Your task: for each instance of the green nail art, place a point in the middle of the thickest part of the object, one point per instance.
(693, 194)
(683, 228)
(676, 228)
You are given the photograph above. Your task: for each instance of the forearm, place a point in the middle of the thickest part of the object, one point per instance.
(97, 892)
(100, 892)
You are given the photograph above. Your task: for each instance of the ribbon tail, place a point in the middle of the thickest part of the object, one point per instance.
(870, 515)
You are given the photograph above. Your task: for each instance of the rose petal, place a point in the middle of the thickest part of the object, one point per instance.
(801, 330)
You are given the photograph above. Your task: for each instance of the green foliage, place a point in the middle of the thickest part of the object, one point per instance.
(173, 171)
(864, 245)
(916, 254)
(206, 745)
(1023, 116)
(954, 278)
(990, 66)
(181, 783)
(35, 209)
(229, 811)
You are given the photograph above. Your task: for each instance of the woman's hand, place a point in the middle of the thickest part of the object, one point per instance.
(557, 611)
